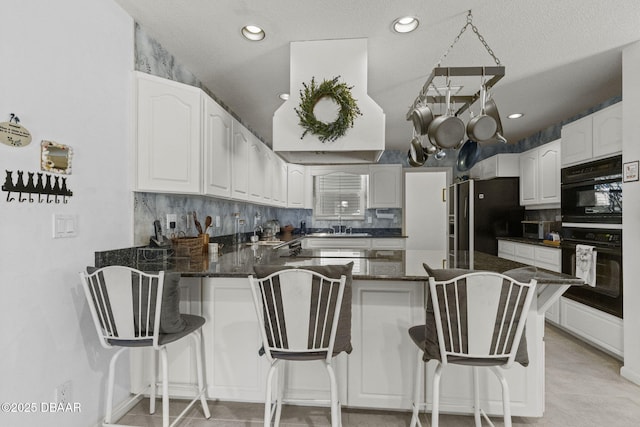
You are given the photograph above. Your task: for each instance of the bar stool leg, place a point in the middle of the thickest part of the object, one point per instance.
(436, 395)
(506, 399)
(267, 399)
(476, 397)
(153, 366)
(165, 386)
(415, 420)
(335, 404)
(201, 388)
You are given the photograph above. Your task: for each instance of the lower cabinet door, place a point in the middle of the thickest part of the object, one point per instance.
(234, 371)
(381, 366)
(180, 354)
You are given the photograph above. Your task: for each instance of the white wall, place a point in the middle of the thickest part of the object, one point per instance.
(66, 73)
(631, 212)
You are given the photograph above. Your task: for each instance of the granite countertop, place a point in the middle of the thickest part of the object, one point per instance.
(238, 261)
(528, 241)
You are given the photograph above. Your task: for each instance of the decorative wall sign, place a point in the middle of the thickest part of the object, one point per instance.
(630, 171)
(56, 157)
(338, 92)
(43, 187)
(13, 134)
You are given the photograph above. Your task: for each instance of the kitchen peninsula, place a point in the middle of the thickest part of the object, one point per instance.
(388, 297)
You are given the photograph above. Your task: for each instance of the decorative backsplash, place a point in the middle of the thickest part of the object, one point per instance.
(149, 207)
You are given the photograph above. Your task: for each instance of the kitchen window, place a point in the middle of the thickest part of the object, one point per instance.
(339, 196)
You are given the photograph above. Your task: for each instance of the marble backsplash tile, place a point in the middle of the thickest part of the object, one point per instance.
(149, 207)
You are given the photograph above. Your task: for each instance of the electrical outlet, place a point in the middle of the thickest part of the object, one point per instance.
(369, 219)
(63, 393)
(172, 221)
(217, 221)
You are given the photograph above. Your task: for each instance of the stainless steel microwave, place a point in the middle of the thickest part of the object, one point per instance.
(536, 229)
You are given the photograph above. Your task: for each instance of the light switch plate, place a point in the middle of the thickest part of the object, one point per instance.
(64, 226)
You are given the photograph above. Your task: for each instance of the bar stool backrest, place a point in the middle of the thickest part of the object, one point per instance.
(480, 317)
(298, 311)
(123, 302)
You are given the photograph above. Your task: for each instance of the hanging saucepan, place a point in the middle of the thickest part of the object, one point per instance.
(492, 110)
(421, 116)
(416, 152)
(412, 162)
(447, 130)
(482, 127)
(468, 155)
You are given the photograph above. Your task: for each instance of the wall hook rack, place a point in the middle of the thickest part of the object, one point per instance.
(48, 188)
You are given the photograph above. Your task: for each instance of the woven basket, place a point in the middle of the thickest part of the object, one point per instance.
(188, 246)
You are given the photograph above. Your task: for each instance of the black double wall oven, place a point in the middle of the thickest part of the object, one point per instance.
(591, 210)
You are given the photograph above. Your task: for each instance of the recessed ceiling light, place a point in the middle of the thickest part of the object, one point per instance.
(253, 33)
(283, 96)
(406, 24)
(515, 116)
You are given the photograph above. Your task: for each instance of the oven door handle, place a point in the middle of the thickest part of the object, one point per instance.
(571, 246)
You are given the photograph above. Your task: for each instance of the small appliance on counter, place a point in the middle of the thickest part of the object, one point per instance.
(537, 229)
(270, 229)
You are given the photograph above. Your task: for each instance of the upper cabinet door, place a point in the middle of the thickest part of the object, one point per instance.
(577, 141)
(168, 151)
(257, 170)
(385, 186)
(607, 131)
(240, 161)
(549, 172)
(296, 185)
(529, 177)
(217, 149)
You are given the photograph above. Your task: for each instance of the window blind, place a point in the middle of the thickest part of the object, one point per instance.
(340, 195)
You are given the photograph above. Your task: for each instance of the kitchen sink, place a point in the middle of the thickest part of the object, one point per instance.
(339, 235)
(266, 242)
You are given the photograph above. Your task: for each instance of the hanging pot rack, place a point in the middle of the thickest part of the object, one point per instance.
(492, 73)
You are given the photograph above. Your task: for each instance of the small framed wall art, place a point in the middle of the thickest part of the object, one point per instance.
(630, 171)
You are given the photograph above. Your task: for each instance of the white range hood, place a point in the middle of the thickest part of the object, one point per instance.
(324, 60)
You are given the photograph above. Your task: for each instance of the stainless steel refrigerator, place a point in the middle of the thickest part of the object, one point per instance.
(479, 212)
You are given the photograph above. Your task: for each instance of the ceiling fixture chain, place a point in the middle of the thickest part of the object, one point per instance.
(480, 37)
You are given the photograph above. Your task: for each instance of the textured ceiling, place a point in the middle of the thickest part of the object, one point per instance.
(561, 57)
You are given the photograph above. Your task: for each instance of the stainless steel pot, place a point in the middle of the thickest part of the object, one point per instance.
(412, 161)
(447, 130)
(482, 127)
(416, 151)
(492, 110)
(421, 116)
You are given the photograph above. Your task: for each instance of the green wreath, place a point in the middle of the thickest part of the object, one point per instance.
(341, 94)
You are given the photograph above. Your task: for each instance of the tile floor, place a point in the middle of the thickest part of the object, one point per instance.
(584, 389)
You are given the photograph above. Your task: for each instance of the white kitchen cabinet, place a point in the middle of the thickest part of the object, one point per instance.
(240, 162)
(234, 370)
(499, 166)
(385, 186)
(218, 149)
(256, 170)
(279, 180)
(381, 366)
(181, 354)
(594, 326)
(168, 147)
(595, 136)
(388, 243)
(607, 131)
(296, 186)
(540, 176)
